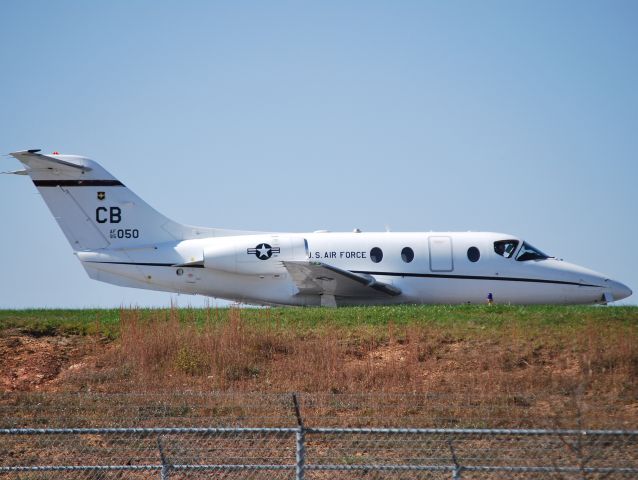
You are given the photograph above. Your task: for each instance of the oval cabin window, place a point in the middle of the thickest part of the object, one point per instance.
(473, 254)
(376, 255)
(407, 255)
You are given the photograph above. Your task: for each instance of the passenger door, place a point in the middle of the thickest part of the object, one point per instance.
(441, 254)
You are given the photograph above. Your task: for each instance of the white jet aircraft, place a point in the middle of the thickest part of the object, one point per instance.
(120, 239)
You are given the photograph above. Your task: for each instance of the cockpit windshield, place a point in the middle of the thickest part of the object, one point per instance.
(505, 248)
(528, 252)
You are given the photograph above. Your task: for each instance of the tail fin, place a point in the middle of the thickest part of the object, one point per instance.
(94, 209)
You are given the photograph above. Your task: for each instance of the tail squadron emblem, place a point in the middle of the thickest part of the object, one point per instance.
(263, 251)
(101, 195)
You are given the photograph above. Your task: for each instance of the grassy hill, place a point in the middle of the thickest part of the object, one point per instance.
(545, 361)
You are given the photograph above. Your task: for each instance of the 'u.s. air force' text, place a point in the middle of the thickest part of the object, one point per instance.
(335, 254)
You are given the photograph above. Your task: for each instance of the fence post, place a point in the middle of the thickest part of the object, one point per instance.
(164, 472)
(456, 473)
(300, 442)
(301, 454)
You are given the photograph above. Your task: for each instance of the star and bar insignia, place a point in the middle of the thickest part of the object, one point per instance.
(263, 251)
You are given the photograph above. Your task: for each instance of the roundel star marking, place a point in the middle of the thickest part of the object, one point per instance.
(263, 251)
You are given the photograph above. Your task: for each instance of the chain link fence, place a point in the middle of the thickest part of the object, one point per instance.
(241, 409)
(288, 436)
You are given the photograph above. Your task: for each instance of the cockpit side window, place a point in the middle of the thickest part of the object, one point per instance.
(505, 248)
(528, 252)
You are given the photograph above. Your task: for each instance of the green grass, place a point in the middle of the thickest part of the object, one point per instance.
(471, 317)
(43, 322)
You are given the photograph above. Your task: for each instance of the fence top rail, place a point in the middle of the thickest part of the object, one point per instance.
(372, 467)
(212, 430)
(71, 468)
(475, 431)
(149, 430)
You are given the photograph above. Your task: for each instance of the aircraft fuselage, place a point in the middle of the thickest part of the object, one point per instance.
(436, 274)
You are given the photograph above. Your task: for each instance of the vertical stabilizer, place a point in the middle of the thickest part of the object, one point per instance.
(94, 209)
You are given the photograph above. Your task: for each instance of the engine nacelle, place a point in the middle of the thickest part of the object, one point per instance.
(254, 254)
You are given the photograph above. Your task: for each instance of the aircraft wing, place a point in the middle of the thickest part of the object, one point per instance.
(323, 279)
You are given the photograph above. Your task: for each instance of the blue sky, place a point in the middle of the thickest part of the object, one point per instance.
(516, 117)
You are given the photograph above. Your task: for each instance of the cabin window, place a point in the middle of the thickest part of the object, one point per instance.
(473, 254)
(530, 253)
(376, 255)
(505, 248)
(407, 254)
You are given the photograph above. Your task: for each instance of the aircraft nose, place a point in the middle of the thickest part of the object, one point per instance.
(619, 290)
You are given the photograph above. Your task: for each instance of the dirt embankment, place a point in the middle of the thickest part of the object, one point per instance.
(538, 371)
(41, 363)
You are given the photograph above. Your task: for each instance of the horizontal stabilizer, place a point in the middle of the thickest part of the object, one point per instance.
(36, 160)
